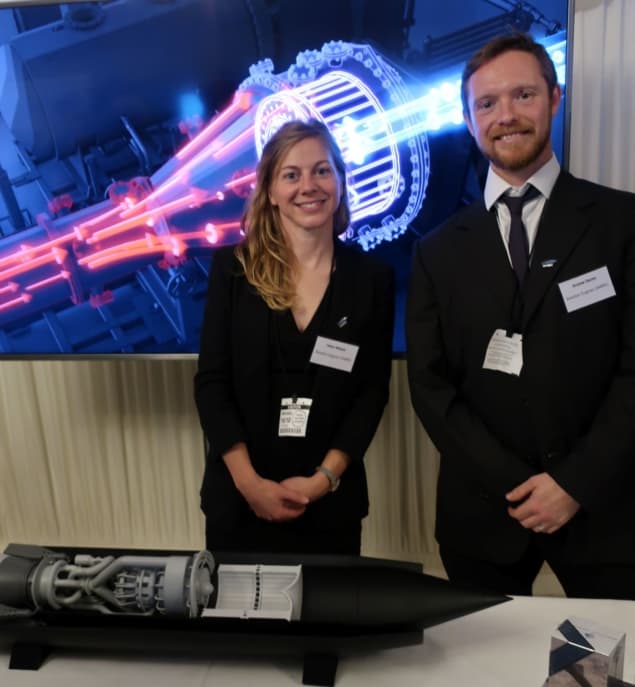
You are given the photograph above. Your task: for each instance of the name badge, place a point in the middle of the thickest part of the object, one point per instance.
(587, 289)
(294, 417)
(335, 354)
(504, 353)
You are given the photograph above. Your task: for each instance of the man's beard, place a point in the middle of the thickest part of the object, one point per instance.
(515, 161)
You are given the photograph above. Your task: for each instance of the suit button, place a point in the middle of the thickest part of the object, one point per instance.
(483, 495)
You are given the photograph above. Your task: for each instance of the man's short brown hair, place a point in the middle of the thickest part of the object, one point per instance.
(502, 44)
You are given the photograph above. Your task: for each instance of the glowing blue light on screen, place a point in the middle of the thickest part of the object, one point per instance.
(441, 105)
(191, 105)
(558, 53)
(350, 138)
(558, 56)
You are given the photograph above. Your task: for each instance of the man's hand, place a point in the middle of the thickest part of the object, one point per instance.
(272, 501)
(545, 506)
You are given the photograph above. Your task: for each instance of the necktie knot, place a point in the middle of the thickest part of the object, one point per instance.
(516, 203)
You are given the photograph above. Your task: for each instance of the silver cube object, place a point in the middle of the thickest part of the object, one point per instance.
(586, 654)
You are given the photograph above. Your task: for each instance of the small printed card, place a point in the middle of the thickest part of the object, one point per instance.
(336, 354)
(587, 289)
(504, 353)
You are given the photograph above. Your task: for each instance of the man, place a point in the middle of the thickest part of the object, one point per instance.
(521, 355)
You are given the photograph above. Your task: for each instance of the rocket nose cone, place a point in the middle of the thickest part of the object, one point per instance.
(437, 600)
(385, 595)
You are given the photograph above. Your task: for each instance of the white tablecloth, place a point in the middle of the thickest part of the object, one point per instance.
(503, 646)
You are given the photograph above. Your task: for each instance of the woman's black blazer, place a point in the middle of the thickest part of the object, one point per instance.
(232, 382)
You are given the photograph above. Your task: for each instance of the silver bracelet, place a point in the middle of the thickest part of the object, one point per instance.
(333, 479)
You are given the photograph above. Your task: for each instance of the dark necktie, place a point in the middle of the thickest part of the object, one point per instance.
(518, 242)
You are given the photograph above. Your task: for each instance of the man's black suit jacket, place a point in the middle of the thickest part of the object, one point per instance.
(570, 413)
(232, 383)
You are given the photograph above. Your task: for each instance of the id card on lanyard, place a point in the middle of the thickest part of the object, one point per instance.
(294, 416)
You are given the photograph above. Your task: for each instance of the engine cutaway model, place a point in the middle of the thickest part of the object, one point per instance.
(197, 602)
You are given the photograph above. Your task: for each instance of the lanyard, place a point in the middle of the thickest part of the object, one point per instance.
(516, 313)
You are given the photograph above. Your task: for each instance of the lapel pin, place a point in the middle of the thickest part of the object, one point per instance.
(548, 263)
(343, 321)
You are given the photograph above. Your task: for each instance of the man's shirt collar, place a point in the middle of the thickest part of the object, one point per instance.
(544, 180)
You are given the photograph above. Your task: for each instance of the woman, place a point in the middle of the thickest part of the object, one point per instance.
(294, 361)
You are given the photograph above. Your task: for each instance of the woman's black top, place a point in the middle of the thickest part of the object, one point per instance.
(292, 375)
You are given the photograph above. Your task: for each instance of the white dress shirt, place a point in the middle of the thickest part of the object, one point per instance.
(544, 180)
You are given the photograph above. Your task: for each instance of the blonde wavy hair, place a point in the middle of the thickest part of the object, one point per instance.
(264, 254)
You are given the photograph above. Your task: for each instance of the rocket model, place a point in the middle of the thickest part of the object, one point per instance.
(49, 598)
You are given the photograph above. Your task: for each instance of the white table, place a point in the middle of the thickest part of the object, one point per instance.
(503, 646)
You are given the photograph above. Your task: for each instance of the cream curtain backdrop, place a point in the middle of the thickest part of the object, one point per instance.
(109, 453)
(603, 102)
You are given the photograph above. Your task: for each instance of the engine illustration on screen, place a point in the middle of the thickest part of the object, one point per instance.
(135, 191)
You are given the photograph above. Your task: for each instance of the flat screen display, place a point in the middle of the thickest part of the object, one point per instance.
(130, 131)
